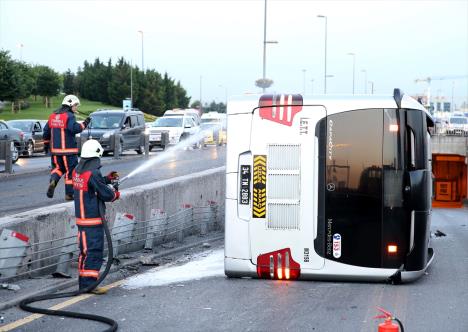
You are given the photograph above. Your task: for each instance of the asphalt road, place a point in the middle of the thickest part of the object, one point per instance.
(434, 303)
(25, 191)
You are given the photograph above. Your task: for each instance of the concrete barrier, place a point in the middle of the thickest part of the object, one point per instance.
(52, 222)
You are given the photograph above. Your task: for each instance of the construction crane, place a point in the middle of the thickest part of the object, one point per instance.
(433, 78)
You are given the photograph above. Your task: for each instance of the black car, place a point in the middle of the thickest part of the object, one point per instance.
(17, 136)
(32, 130)
(130, 124)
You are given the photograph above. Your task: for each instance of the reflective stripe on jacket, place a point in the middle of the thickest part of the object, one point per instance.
(89, 187)
(60, 131)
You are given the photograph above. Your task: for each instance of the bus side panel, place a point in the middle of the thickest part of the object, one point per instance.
(239, 126)
(236, 241)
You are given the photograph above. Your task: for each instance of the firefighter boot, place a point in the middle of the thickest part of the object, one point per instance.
(51, 189)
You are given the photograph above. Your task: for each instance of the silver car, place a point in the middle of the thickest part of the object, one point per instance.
(32, 129)
(17, 136)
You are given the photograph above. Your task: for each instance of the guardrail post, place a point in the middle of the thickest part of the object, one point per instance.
(13, 247)
(117, 146)
(6, 147)
(145, 138)
(70, 246)
(155, 226)
(185, 219)
(122, 231)
(213, 215)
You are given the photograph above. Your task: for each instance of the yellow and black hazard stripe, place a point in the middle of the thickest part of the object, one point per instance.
(259, 187)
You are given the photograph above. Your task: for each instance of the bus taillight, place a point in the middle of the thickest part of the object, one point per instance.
(392, 249)
(278, 265)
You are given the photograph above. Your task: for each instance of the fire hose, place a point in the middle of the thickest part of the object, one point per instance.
(25, 304)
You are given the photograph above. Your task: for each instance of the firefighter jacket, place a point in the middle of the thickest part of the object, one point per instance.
(60, 130)
(90, 190)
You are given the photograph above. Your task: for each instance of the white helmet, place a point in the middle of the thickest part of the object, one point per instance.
(91, 148)
(71, 100)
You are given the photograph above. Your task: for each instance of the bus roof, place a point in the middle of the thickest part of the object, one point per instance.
(332, 103)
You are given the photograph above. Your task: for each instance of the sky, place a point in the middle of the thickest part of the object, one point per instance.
(215, 48)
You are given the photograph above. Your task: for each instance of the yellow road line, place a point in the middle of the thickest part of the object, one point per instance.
(33, 317)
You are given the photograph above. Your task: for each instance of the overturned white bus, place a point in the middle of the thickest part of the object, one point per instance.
(328, 187)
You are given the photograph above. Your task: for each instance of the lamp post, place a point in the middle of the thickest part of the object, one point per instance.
(21, 51)
(142, 63)
(372, 86)
(265, 42)
(325, 71)
(304, 81)
(354, 65)
(365, 80)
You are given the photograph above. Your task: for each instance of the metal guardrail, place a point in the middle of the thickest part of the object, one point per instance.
(35, 259)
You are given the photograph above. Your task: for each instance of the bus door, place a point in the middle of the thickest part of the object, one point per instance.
(284, 152)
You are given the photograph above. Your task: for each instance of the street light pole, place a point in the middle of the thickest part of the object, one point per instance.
(142, 63)
(325, 72)
(304, 81)
(354, 65)
(264, 43)
(365, 80)
(21, 51)
(372, 86)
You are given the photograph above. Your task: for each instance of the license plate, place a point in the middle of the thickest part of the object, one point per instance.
(244, 194)
(154, 137)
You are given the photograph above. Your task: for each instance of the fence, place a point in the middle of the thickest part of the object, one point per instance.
(56, 255)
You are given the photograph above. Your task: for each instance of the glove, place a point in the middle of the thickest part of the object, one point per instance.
(46, 148)
(117, 195)
(112, 176)
(86, 121)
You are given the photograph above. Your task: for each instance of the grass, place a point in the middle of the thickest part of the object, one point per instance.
(37, 109)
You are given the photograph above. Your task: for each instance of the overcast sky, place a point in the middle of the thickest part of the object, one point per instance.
(221, 41)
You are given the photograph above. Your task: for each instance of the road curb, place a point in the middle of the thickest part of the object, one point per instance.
(74, 281)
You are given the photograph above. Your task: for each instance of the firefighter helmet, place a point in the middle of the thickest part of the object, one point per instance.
(71, 100)
(91, 148)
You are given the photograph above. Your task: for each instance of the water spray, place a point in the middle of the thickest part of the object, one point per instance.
(183, 143)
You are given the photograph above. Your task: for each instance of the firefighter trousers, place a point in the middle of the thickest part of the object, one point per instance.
(63, 165)
(91, 242)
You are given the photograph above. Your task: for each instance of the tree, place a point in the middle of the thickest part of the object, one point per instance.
(25, 83)
(69, 83)
(119, 86)
(47, 83)
(7, 77)
(150, 98)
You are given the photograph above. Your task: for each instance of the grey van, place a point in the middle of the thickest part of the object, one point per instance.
(130, 124)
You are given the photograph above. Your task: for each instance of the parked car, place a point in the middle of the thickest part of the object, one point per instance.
(32, 130)
(17, 136)
(179, 127)
(213, 125)
(130, 124)
(457, 125)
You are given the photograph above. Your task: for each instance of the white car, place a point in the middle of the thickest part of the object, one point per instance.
(178, 128)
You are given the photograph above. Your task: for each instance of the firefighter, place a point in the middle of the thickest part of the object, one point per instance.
(59, 139)
(91, 190)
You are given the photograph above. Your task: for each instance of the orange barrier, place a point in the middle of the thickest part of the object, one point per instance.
(450, 180)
